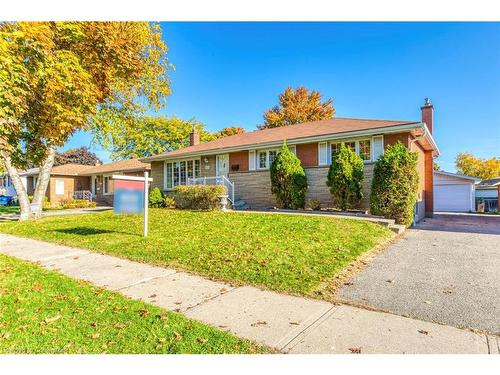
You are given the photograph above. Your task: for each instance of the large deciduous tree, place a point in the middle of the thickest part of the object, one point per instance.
(60, 77)
(230, 130)
(146, 136)
(81, 155)
(469, 165)
(298, 106)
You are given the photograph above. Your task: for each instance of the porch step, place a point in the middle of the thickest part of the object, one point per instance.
(240, 204)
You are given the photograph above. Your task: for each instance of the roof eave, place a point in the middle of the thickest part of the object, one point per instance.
(295, 141)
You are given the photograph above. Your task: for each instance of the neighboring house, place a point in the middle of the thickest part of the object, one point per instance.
(64, 181)
(101, 183)
(489, 192)
(83, 181)
(244, 159)
(6, 187)
(454, 192)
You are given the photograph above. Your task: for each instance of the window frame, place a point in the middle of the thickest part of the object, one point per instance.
(267, 164)
(58, 186)
(196, 168)
(105, 188)
(356, 142)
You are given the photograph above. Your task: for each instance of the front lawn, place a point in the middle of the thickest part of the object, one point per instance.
(289, 253)
(44, 312)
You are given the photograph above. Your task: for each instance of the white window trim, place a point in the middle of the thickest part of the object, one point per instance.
(104, 176)
(356, 147)
(58, 182)
(321, 160)
(374, 159)
(252, 161)
(257, 158)
(173, 161)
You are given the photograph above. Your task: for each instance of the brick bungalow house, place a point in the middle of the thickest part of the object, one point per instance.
(244, 159)
(100, 182)
(71, 180)
(64, 181)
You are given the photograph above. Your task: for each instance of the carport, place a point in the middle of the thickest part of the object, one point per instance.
(454, 192)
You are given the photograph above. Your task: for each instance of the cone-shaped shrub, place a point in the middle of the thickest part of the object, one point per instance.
(395, 184)
(345, 178)
(156, 198)
(288, 179)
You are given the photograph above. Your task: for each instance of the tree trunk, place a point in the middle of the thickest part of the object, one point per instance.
(43, 181)
(22, 195)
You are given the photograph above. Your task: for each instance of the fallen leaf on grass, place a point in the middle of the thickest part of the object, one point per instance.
(178, 336)
(52, 319)
(355, 350)
(5, 336)
(95, 335)
(162, 339)
(143, 312)
(37, 287)
(202, 340)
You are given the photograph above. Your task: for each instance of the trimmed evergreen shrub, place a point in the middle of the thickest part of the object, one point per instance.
(169, 202)
(198, 197)
(156, 199)
(395, 184)
(345, 178)
(288, 179)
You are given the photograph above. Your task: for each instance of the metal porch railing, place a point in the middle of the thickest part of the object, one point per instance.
(218, 180)
(83, 194)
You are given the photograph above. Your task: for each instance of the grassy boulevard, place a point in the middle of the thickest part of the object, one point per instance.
(287, 253)
(44, 312)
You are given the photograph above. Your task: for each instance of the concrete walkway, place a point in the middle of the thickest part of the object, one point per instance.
(286, 323)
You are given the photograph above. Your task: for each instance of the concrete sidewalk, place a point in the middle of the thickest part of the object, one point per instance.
(287, 323)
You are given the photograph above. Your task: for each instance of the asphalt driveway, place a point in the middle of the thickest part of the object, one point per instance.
(446, 270)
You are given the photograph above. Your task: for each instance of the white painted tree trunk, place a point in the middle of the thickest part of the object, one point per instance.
(22, 195)
(43, 182)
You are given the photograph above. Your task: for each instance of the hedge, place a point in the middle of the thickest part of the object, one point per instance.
(395, 184)
(156, 199)
(345, 178)
(76, 203)
(198, 197)
(288, 179)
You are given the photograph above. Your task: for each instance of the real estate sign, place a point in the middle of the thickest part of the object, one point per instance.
(131, 196)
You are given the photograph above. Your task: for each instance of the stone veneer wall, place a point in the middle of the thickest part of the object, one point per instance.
(255, 187)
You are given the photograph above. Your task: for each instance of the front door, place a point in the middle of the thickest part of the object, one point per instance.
(222, 165)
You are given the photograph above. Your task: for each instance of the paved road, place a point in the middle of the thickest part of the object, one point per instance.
(447, 270)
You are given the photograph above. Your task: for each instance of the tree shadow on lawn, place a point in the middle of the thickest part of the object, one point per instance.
(88, 231)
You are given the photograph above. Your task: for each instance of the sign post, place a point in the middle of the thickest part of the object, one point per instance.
(146, 202)
(131, 196)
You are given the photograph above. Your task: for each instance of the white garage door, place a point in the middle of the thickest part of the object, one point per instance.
(455, 198)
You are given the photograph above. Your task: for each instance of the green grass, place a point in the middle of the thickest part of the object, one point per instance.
(9, 210)
(45, 312)
(289, 253)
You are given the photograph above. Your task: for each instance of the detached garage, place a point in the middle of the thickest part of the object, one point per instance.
(454, 192)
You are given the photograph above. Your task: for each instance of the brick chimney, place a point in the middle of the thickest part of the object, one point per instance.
(194, 137)
(428, 114)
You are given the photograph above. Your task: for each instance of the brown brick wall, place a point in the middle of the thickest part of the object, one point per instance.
(239, 158)
(390, 139)
(71, 184)
(421, 179)
(308, 154)
(157, 171)
(255, 187)
(207, 169)
(429, 184)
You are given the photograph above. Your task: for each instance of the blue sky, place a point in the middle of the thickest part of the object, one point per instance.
(229, 73)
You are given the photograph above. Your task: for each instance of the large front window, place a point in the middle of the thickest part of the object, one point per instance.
(178, 172)
(266, 158)
(361, 148)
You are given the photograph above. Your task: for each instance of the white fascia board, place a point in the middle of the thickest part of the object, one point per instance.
(296, 141)
(475, 179)
(129, 178)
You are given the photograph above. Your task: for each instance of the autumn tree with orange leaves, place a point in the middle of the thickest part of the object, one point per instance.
(298, 106)
(60, 77)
